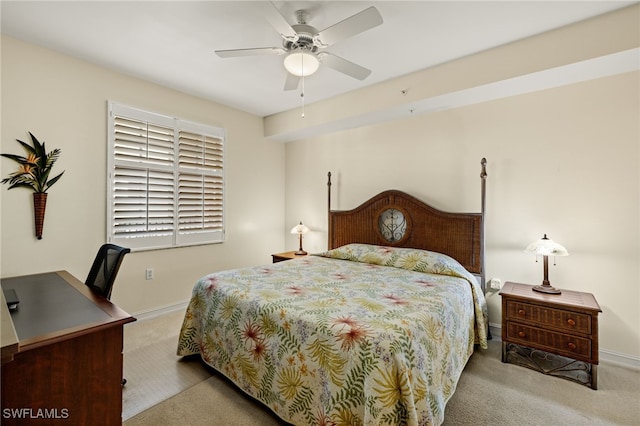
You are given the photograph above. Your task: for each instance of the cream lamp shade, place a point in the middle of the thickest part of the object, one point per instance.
(301, 63)
(546, 247)
(300, 229)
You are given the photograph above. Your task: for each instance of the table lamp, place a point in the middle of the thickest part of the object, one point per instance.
(546, 247)
(300, 229)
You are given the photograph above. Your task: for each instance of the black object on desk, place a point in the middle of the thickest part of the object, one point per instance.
(11, 297)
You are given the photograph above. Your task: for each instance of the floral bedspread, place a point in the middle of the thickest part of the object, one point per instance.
(357, 335)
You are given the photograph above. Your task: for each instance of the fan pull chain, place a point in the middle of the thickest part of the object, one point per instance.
(302, 95)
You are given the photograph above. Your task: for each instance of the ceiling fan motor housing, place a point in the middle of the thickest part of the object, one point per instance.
(305, 39)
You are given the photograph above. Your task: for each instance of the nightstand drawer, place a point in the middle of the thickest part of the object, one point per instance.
(557, 318)
(563, 344)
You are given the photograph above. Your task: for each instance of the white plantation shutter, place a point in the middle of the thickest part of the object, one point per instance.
(142, 203)
(166, 180)
(200, 184)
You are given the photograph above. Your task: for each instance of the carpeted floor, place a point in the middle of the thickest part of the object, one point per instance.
(164, 389)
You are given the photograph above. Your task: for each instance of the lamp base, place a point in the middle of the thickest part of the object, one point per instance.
(300, 253)
(546, 288)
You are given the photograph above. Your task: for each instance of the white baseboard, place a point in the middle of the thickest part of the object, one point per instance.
(606, 356)
(162, 310)
(496, 331)
(621, 360)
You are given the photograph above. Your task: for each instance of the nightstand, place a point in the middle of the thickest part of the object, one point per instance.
(288, 255)
(556, 334)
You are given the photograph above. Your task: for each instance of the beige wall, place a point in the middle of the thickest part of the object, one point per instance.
(563, 161)
(63, 101)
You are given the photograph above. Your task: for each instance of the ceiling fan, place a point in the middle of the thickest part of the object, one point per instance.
(303, 45)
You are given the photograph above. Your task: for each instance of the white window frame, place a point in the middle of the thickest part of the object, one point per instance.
(181, 222)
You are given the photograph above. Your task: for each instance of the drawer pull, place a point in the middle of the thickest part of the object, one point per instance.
(521, 312)
(572, 346)
(522, 334)
(571, 322)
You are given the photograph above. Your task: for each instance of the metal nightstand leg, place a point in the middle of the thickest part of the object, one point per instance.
(550, 364)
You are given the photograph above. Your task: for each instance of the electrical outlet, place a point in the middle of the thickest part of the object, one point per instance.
(495, 283)
(149, 273)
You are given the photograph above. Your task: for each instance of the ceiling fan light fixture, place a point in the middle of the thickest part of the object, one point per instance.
(301, 63)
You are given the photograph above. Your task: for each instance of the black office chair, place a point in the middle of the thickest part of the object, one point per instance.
(104, 270)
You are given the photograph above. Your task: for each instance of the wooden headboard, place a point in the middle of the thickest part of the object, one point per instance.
(394, 218)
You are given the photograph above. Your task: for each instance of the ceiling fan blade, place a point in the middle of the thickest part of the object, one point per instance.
(351, 26)
(279, 22)
(232, 53)
(292, 82)
(344, 66)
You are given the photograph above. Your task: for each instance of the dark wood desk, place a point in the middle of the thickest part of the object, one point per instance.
(68, 366)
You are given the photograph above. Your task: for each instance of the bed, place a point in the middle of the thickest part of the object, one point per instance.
(375, 330)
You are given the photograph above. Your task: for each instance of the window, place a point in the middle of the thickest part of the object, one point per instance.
(165, 180)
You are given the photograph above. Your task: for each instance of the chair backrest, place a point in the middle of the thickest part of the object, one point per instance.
(105, 268)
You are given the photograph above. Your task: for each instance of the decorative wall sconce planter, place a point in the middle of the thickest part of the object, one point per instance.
(39, 207)
(33, 173)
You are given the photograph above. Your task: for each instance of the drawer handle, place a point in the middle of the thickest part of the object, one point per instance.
(522, 334)
(521, 312)
(572, 346)
(571, 322)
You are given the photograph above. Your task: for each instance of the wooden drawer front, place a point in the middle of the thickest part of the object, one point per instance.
(558, 318)
(562, 344)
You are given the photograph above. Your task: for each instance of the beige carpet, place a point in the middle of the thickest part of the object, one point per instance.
(162, 389)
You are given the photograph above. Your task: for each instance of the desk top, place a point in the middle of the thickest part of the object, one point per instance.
(55, 306)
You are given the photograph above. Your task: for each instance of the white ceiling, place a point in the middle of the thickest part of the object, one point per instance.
(172, 43)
